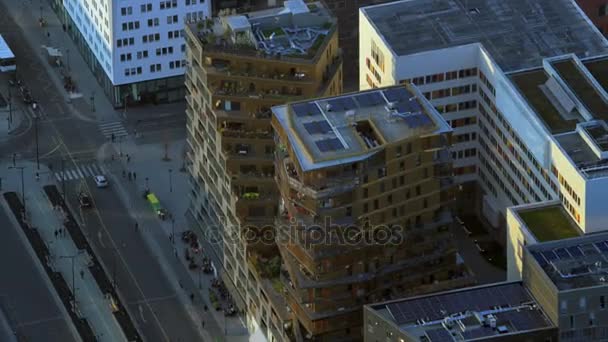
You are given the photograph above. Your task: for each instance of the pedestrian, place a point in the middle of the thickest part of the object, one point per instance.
(37, 176)
(81, 274)
(112, 137)
(180, 284)
(136, 226)
(134, 176)
(124, 173)
(128, 158)
(203, 324)
(192, 297)
(56, 233)
(129, 175)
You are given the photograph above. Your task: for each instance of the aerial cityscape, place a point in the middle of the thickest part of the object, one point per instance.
(303, 170)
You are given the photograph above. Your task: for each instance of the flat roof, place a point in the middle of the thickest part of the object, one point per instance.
(582, 88)
(549, 223)
(439, 317)
(518, 34)
(574, 263)
(343, 129)
(295, 30)
(531, 85)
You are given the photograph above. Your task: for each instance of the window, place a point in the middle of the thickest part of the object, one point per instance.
(603, 10)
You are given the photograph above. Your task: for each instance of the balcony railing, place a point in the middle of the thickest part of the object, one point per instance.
(331, 187)
(252, 73)
(246, 134)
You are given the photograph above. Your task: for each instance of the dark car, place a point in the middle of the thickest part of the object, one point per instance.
(84, 200)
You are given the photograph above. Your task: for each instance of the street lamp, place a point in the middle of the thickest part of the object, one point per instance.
(72, 257)
(10, 106)
(93, 101)
(147, 187)
(170, 181)
(36, 117)
(172, 230)
(63, 179)
(22, 184)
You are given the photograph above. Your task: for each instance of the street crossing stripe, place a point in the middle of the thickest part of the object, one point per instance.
(103, 170)
(111, 124)
(80, 173)
(72, 174)
(58, 177)
(88, 170)
(95, 169)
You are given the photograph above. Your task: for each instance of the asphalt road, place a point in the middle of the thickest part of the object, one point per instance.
(150, 298)
(25, 298)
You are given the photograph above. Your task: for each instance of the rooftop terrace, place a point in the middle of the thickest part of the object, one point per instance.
(347, 128)
(574, 263)
(517, 33)
(483, 311)
(295, 31)
(549, 223)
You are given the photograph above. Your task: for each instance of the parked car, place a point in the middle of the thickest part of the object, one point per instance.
(101, 181)
(84, 200)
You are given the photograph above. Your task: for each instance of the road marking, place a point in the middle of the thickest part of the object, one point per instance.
(141, 313)
(57, 176)
(154, 299)
(80, 173)
(100, 239)
(73, 174)
(39, 321)
(95, 169)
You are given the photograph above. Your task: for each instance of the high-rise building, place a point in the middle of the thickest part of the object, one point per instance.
(526, 97)
(366, 193)
(562, 296)
(135, 49)
(239, 67)
(597, 11)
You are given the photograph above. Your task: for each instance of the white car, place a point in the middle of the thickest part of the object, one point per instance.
(101, 181)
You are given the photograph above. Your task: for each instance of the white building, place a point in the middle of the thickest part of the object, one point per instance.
(135, 48)
(527, 112)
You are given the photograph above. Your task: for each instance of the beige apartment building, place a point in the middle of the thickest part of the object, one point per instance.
(373, 163)
(239, 67)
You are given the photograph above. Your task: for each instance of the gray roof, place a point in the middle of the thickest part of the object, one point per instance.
(574, 263)
(517, 33)
(344, 129)
(438, 317)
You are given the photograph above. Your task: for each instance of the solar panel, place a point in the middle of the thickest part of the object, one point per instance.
(562, 253)
(305, 109)
(327, 145)
(541, 260)
(414, 105)
(439, 335)
(336, 105)
(549, 255)
(602, 246)
(348, 103)
(396, 94)
(317, 127)
(575, 251)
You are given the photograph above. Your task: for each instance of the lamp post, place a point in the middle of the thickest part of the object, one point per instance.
(147, 187)
(22, 184)
(36, 117)
(170, 181)
(63, 179)
(68, 57)
(172, 230)
(72, 257)
(10, 107)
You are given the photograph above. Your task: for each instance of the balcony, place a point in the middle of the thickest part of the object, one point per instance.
(326, 188)
(230, 71)
(246, 134)
(250, 93)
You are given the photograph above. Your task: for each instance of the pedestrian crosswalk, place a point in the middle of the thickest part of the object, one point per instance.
(79, 172)
(114, 127)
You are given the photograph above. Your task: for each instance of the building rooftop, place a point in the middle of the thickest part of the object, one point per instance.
(467, 314)
(518, 34)
(343, 129)
(574, 263)
(296, 30)
(587, 147)
(549, 223)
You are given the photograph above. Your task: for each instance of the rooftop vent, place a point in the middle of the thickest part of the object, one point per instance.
(474, 10)
(328, 107)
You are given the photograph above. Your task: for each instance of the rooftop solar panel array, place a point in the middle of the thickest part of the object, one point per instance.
(439, 335)
(342, 104)
(317, 127)
(327, 145)
(430, 308)
(369, 99)
(396, 94)
(306, 109)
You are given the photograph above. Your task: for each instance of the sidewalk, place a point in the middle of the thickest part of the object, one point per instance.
(10, 120)
(26, 13)
(91, 303)
(171, 188)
